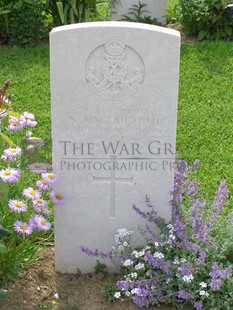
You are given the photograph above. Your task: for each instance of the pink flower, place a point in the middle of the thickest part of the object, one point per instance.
(35, 140)
(29, 115)
(57, 198)
(39, 203)
(10, 175)
(39, 167)
(40, 223)
(15, 124)
(11, 153)
(17, 206)
(23, 228)
(42, 184)
(30, 193)
(49, 177)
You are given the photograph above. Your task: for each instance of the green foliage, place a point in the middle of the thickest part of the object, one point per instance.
(74, 11)
(137, 14)
(101, 268)
(108, 291)
(27, 23)
(207, 19)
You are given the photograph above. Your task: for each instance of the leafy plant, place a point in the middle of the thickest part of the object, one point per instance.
(101, 268)
(207, 19)
(137, 13)
(27, 23)
(24, 211)
(186, 263)
(108, 291)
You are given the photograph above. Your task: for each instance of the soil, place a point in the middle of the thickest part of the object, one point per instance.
(36, 287)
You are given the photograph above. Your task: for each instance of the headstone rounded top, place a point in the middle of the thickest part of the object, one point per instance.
(115, 24)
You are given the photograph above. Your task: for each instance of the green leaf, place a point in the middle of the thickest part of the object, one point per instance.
(3, 248)
(15, 114)
(61, 11)
(7, 139)
(3, 231)
(201, 35)
(3, 294)
(4, 190)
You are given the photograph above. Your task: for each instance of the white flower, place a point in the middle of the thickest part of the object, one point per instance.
(134, 275)
(139, 266)
(117, 295)
(170, 226)
(127, 263)
(188, 279)
(135, 291)
(168, 280)
(156, 244)
(203, 284)
(176, 261)
(204, 293)
(127, 293)
(158, 255)
(120, 248)
(56, 296)
(147, 248)
(125, 244)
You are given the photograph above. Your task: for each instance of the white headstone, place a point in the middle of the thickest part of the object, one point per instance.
(155, 9)
(114, 89)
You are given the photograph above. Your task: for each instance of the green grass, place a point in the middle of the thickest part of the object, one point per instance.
(205, 110)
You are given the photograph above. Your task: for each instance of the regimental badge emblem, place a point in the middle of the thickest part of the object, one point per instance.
(114, 71)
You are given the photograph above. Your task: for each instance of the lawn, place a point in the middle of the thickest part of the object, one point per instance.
(205, 109)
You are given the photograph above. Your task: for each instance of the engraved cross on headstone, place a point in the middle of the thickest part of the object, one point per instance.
(112, 180)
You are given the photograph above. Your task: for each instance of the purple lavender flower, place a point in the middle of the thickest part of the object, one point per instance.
(17, 206)
(215, 284)
(221, 197)
(23, 228)
(10, 175)
(182, 294)
(198, 305)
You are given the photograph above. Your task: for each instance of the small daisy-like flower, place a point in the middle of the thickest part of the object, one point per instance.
(17, 206)
(30, 193)
(10, 175)
(30, 123)
(127, 263)
(45, 211)
(203, 284)
(11, 153)
(29, 115)
(49, 177)
(15, 124)
(42, 184)
(57, 198)
(39, 203)
(39, 167)
(23, 228)
(28, 134)
(41, 223)
(139, 266)
(117, 295)
(35, 140)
